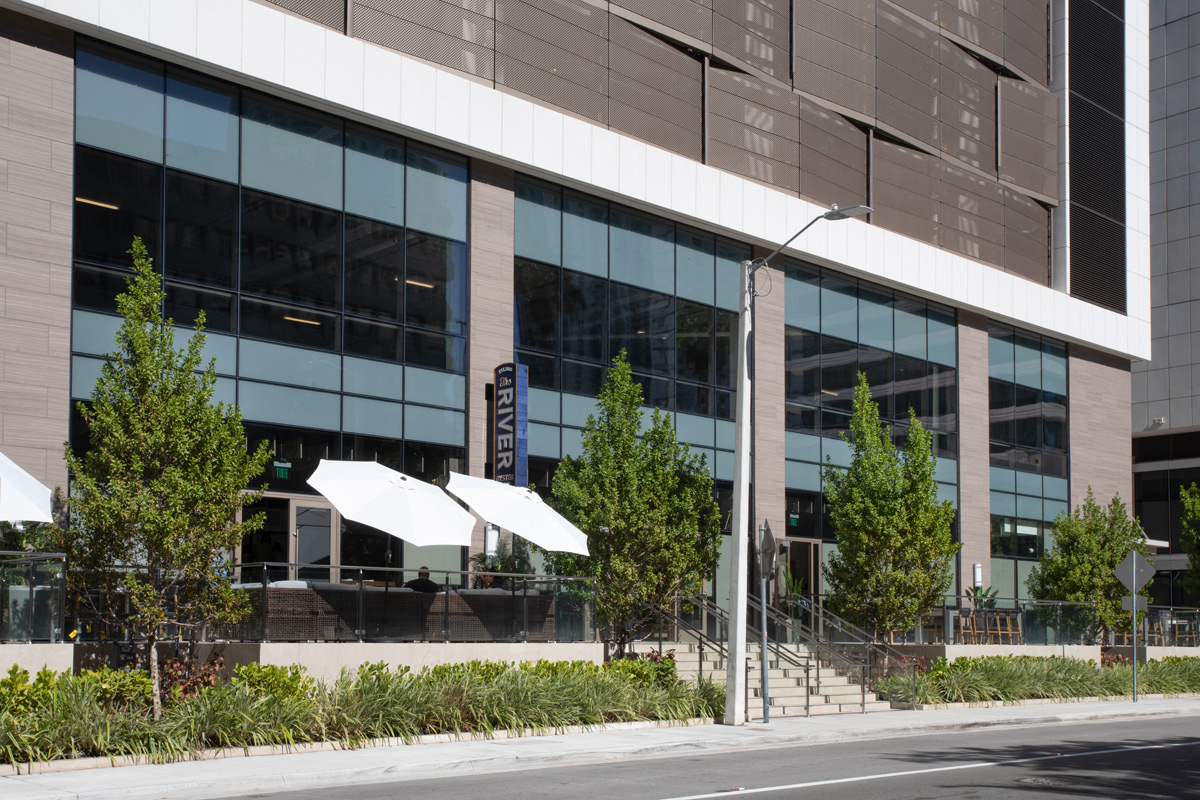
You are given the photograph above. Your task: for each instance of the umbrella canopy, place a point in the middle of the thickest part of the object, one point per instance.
(519, 510)
(22, 498)
(409, 509)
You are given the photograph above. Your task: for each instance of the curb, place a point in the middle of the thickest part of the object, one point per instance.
(1037, 701)
(213, 754)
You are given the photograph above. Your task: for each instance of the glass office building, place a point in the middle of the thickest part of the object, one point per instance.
(376, 204)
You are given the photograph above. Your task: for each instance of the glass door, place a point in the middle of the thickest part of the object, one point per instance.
(314, 541)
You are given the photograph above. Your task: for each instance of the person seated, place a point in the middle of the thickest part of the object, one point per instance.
(422, 583)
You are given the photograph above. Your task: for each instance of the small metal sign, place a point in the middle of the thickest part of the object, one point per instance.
(1134, 572)
(1135, 603)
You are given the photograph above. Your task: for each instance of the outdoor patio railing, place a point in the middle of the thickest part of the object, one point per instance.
(31, 594)
(303, 602)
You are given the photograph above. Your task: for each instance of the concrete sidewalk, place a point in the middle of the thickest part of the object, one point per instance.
(313, 770)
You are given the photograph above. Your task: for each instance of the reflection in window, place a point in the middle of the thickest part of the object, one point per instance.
(116, 199)
(374, 268)
(119, 101)
(184, 304)
(292, 151)
(295, 454)
(536, 305)
(839, 372)
(290, 250)
(435, 350)
(435, 292)
(97, 288)
(291, 324)
(643, 324)
(584, 314)
(203, 123)
(201, 229)
(374, 339)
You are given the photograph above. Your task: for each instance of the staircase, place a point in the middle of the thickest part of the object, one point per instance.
(829, 692)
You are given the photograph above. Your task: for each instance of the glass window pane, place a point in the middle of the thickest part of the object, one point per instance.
(694, 342)
(580, 378)
(290, 250)
(878, 366)
(1028, 417)
(1002, 408)
(270, 542)
(839, 372)
(302, 326)
(364, 546)
(1054, 368)
(802, 419)
(834, 423)
(299, 448)
(584, 316)
(374, 268)
(374, 339)
(695, 265)
(291, 151)
(802, 298)
(389, 452)
(184, 303)
(203, 117)
(804, 515)
(943, 397)
(911, 388)
(116, 198)
(642, 251)
(942, 339)
(875, 318)
(372, 378)
(119, 102)
(98, 288)
(537, 227)
(803, 366)
(643, 323)
(1003, 536)
(536, 305)
(1054, 422)
(1027, 362)
(730, 256)
(201, 229)
(1054, 464)
(543, 369)
(1000, 354)
(378, 417)
(436, 192)
(435, 350)
(436, 283)
(725, 404)
(656, 393)
(691, 398)
(910, 325)
(839, 309)
(724, 349)
(585, 231)
(375, 175)
(433, 463)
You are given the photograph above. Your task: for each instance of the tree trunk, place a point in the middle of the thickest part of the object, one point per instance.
(155, 687)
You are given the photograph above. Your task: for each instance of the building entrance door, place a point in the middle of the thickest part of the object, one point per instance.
(296, 542)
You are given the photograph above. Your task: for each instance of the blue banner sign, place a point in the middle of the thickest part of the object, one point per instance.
(511, 433)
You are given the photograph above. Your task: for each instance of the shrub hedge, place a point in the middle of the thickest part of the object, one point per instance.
(1011, 678)
(107, 712)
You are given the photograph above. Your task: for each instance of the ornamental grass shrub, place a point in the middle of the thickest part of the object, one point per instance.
(1012, 678)
(108, 712)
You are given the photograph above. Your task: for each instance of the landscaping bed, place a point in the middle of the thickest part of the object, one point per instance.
(106, 713)
(1010, 679)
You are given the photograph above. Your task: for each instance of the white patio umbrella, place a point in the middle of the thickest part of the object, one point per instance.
(22, 498)
(409, 509)
(519, 510)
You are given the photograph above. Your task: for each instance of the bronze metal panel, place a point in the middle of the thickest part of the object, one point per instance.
(750, 31)
(649, 100)
(448, 18)
(754, 91)
(906, 191)
(406, 8)
(1026, 238)
(553, 59)
(980, 22)
(409, 37)
(907, 77)
(534, 13)
(925, 9)
(330, 13)
(830, 135)
(685, 16)
(552, 88)
(834, 54)
(636, 122)
(1026, 47)
(967, 109)
(743, 161)
(566, 34)
(753, 129)
(972, 205)
(1029, 137)
(754, 140)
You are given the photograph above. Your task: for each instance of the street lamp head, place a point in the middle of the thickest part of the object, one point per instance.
(836, 213)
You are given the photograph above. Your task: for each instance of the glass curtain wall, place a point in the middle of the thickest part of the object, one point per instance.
(1030, 464)
(329, 260)
(838, 327)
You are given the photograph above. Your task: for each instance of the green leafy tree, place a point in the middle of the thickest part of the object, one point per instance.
(153, 501)
(895, 540)
(1089, 543)
(1190, 540)
(646, 504)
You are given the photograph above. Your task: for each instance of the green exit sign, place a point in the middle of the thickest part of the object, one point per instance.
(282, 468)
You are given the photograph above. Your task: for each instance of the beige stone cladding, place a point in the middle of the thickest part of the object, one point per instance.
(1101, 450)
(36, 136)
(974, 479)
(770, 423)
(491, 330)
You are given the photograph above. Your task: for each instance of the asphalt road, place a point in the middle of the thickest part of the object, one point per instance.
(1140, 758)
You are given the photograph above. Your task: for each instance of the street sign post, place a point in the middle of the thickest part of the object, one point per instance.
(1134, 572)
(767, 552)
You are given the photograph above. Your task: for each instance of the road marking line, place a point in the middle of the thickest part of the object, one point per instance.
(972, 765)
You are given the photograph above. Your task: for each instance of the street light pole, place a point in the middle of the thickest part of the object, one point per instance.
(735, 666)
